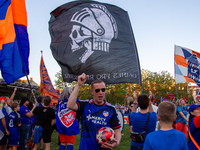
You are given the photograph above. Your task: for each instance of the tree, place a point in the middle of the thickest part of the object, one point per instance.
(59, 83)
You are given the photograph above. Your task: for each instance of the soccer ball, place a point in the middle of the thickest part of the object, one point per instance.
(105, 134)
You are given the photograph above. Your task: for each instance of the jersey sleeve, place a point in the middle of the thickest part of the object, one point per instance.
(115, 123)
(179, 109)
(81, 105)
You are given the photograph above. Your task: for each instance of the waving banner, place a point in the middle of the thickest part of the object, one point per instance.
(46, 87)
(14, 42)
(186, 65)
(94, 38)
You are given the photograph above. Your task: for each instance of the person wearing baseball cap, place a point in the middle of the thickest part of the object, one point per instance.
(194, 127)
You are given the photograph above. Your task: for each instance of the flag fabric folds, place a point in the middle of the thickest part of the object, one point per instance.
(174, 100)
(163, 99)
(186, 65)
(94, 38)
(14, 42)
(46, 87)
(184, 99)
(170, 96)
(126, 96)
(154, 100)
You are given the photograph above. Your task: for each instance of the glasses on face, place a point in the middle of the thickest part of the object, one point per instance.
(97, 90)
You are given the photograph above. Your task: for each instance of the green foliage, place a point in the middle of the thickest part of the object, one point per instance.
(59, 83)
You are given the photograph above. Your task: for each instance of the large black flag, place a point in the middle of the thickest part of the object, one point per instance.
(94, 38)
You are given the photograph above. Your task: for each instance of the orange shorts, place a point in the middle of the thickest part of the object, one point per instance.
(67, 139)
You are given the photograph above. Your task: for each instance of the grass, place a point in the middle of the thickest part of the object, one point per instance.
(124, 144)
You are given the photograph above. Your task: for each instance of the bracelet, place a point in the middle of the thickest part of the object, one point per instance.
(1, 104)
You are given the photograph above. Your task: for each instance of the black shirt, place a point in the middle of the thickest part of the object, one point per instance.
(44, 116)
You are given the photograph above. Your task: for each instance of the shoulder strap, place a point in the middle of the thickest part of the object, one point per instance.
(147, 122)
(193, 140)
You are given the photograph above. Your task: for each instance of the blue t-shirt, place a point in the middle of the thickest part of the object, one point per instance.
(23, 111)
(165, 140)
(195, 132)
(138, 122)
(14, 121)
(66, 122)
(182, 109)
(93, 118)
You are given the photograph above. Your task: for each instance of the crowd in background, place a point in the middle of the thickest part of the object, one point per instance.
(21, 123)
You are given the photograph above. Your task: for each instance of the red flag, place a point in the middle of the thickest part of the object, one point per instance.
(46, 87)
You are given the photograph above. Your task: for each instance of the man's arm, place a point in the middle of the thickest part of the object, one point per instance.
(150, 103)
(71, 104)
(3, 120)
(9, 102)
(30, 114)
(53, 122)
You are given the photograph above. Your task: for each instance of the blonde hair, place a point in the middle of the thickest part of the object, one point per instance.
(65, 93)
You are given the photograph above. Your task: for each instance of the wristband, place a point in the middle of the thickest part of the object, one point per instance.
(1, 104)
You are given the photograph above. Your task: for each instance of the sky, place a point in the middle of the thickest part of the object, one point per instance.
(157, 26)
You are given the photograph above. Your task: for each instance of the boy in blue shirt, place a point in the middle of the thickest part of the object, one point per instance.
(166, 138)
(14, 126)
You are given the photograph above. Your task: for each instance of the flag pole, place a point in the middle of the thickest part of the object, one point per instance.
(31, 88)
(176, 91)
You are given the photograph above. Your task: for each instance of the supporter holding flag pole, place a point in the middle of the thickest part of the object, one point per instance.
(14, 42)
(46, 87)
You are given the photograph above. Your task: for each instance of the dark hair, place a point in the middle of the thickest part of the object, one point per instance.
(143, 101)
(23, 100)
(95, 81)
(47, 100)
(30, 105)
(39, 99)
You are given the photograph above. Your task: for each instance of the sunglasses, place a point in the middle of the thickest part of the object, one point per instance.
(97, 90)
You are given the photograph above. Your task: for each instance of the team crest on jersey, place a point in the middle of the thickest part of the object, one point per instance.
(67, 118)
(44, 110)
(105, 113)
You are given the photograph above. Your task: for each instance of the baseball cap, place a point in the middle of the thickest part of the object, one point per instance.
(192, 107)
(3, 98)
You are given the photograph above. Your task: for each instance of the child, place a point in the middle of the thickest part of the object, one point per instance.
(166, 138)
(14, 126)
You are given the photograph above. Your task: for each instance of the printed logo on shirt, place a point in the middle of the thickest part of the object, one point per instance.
(44, 110)
(105, 113)
(96, 119)
(67, 117)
